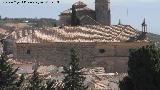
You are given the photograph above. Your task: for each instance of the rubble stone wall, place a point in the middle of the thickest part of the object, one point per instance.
(112, 56)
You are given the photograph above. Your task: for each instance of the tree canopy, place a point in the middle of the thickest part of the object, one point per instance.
(144, 69)
(8, 77)
(74, 79)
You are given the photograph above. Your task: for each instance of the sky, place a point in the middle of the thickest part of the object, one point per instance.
(131, 12)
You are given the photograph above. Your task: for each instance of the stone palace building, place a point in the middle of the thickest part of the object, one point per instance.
(102, 45)
(100, 16)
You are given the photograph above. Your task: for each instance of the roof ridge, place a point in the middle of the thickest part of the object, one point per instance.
(123, 29)
(80, 3)
(90, 18)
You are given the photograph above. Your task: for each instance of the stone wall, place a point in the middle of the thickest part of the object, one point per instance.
(112, 56)
(65, 19)
(103, 14)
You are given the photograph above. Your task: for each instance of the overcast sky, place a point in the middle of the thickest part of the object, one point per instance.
(137, 11)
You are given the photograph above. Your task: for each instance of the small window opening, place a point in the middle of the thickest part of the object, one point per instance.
(102, 50)
(28, 51)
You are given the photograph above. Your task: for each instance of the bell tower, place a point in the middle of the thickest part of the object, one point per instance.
(144, 30)
(144, 26)
(103, 13)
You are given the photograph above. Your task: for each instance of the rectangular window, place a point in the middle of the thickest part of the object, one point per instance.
(28, 51)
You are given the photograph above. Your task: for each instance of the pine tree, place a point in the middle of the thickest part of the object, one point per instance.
(8, 76)
(144, 70)
(51, 85)
(35, 82)
(126, 84)
(73, 76)
(20, 82)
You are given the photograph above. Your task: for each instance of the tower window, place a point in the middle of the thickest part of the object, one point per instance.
(102, 51)
(28, 51)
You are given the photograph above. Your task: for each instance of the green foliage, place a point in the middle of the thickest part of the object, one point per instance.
(44, 22)
(20, 82)
(51, 85)
(126, 84)
(74, 19)
(8, 76)
(35, 82)
(144, 70)
(154, 38)
(40, 23)
(73, 76)
(9, 79)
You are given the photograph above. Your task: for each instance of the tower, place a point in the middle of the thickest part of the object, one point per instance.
(144, 30)
(103, 14)
(144, 26)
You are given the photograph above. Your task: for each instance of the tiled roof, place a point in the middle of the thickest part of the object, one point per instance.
(79, 3)
(19, 62)
(89, 33)
(84, 8)
(80, 6)
(68, 11)
(90, 21)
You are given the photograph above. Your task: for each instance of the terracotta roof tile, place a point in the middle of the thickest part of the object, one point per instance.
(89, 33)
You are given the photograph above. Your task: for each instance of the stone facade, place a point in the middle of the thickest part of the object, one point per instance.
(65, 19)
(112, 56)
(101, 15)
(96, 45)
(102, 9)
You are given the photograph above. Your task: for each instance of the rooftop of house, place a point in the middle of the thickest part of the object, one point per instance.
(19, 62)
(80, 6)
(88, 33)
